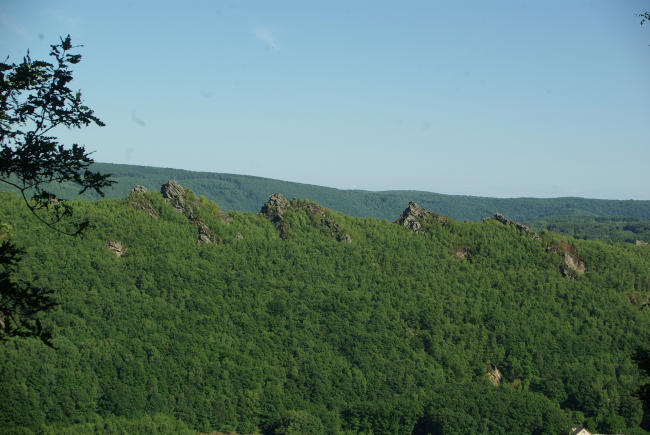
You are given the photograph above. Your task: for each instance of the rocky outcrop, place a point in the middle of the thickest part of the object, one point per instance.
(641, 243)
(277, 205)
(494, 375)
(140, 202)
(174, 194)
(572, 265)
(239, 236)
(186, 202)
(337, 231)
(117, 247)
(413, 215)
(275, 208)
(459, 254)
(521, 227)
(205, 235)
(139, 189)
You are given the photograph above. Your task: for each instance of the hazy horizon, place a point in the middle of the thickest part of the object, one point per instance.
(368, 190)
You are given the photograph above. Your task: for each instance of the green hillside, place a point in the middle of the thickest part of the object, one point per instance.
(246, 193)
(617, 229)
(176, 317)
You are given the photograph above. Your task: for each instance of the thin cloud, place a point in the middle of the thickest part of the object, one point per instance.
(62, 17)
(9, 23)
(265, 35)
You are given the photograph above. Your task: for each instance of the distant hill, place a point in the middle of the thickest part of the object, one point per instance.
(616, 229)
(247, 193)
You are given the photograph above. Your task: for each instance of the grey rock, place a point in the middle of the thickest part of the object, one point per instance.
(494, 375)
(239, 236)
(460, 254)
(146, 207)
(277, 205)
(572, 266)
(337, 231)
(173, 194)
(521, 227)
(641, 243)
(116, 247)
(171, 189)
(205, 235)
(413, 214)
(139, 189)
(275, 208)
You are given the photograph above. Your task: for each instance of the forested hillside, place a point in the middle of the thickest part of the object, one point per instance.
(180, 318)
(617, 229)
(246, 193)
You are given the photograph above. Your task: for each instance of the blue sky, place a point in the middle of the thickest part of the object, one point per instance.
(500, 99)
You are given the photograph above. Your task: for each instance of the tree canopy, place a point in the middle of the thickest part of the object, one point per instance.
(35, 98)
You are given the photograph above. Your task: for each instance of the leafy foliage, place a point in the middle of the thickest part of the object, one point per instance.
(20, 303)
(392, 333)
(35, 95)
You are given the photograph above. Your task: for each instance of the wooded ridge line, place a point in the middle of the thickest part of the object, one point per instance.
(246, 193)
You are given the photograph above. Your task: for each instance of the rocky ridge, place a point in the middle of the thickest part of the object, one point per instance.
(277, 205)
(175, 195)
(413, 215)
(139, 189)
(186, 202)
(521, 227)
(139, 202)
(183, 200)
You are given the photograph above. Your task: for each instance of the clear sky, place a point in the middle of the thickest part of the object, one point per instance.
(501, 99)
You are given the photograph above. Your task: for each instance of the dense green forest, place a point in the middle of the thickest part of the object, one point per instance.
(246, 193)
(176, 317)
(617, 229)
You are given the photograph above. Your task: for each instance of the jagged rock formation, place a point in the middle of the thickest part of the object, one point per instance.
(117, 247)
(139, 189)
(277, 205)
(521, 227)
(275, 208)
(641, 243)
(174, 195)
(187, 203)
(413, 214)
(337, 231)
(205, 235)
(494, 375)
